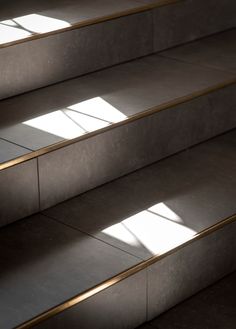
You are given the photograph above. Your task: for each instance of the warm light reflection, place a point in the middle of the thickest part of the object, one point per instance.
(24, 26)
(156, 233)
(77, 119)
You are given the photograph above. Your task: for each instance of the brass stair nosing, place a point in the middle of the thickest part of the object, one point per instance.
(151, 111)
(124, 275)
(92, 21)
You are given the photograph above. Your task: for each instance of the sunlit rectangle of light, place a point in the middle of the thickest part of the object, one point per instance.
(150, 231)
(120, 232)
(99, 108)
(164, 211)
(41, 24)
(69, 123)
(56, 123)
(88, 123)
(11, 33)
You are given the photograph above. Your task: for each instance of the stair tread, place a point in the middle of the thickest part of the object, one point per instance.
(218, 51)
(181, 195)
(9, 151)
(72, 109)
(53, 16)
(44, 262)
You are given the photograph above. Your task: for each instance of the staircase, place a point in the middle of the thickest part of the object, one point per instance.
(117, 158)
(215, 307)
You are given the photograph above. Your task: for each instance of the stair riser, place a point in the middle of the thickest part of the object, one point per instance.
(37, 63)
(84, 165)
(169, 281)
(41, 62)
(120, 306)
(19, 193)
(191, 269)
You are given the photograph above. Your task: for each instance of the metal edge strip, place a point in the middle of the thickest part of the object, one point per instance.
(151, 111)
(93, 21)
(131, 271)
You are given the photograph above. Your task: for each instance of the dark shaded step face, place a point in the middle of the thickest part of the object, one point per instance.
(214, 307)
(42, 47)
(155, 209)
(107, 124)
(52, 263)
(148, 220)
(218, 52)
(71, 11)
(11, 9)
(77, 107)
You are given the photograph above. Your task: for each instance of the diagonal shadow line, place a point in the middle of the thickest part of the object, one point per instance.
(19, 26)
(89, 115)
(136, 237)
(86, 131)
(169, 219)
(5, 24)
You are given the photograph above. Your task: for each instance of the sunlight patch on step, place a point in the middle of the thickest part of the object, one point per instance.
(162, 210)
(40, 24)
(56, 123)
(10, 33)
(99, 108)
(157, 229)
(22, 27)
(78, 119)
(120, 232)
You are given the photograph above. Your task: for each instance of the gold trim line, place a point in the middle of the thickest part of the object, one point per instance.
(153, 110)
(92, 21)
(131, 271)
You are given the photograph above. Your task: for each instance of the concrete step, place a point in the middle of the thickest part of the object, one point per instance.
(213, 307)
(123, 253)
(44, 42)
(65, 139)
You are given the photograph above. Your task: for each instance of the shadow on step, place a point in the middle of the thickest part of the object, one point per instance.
(213, 307)
(161, 206)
